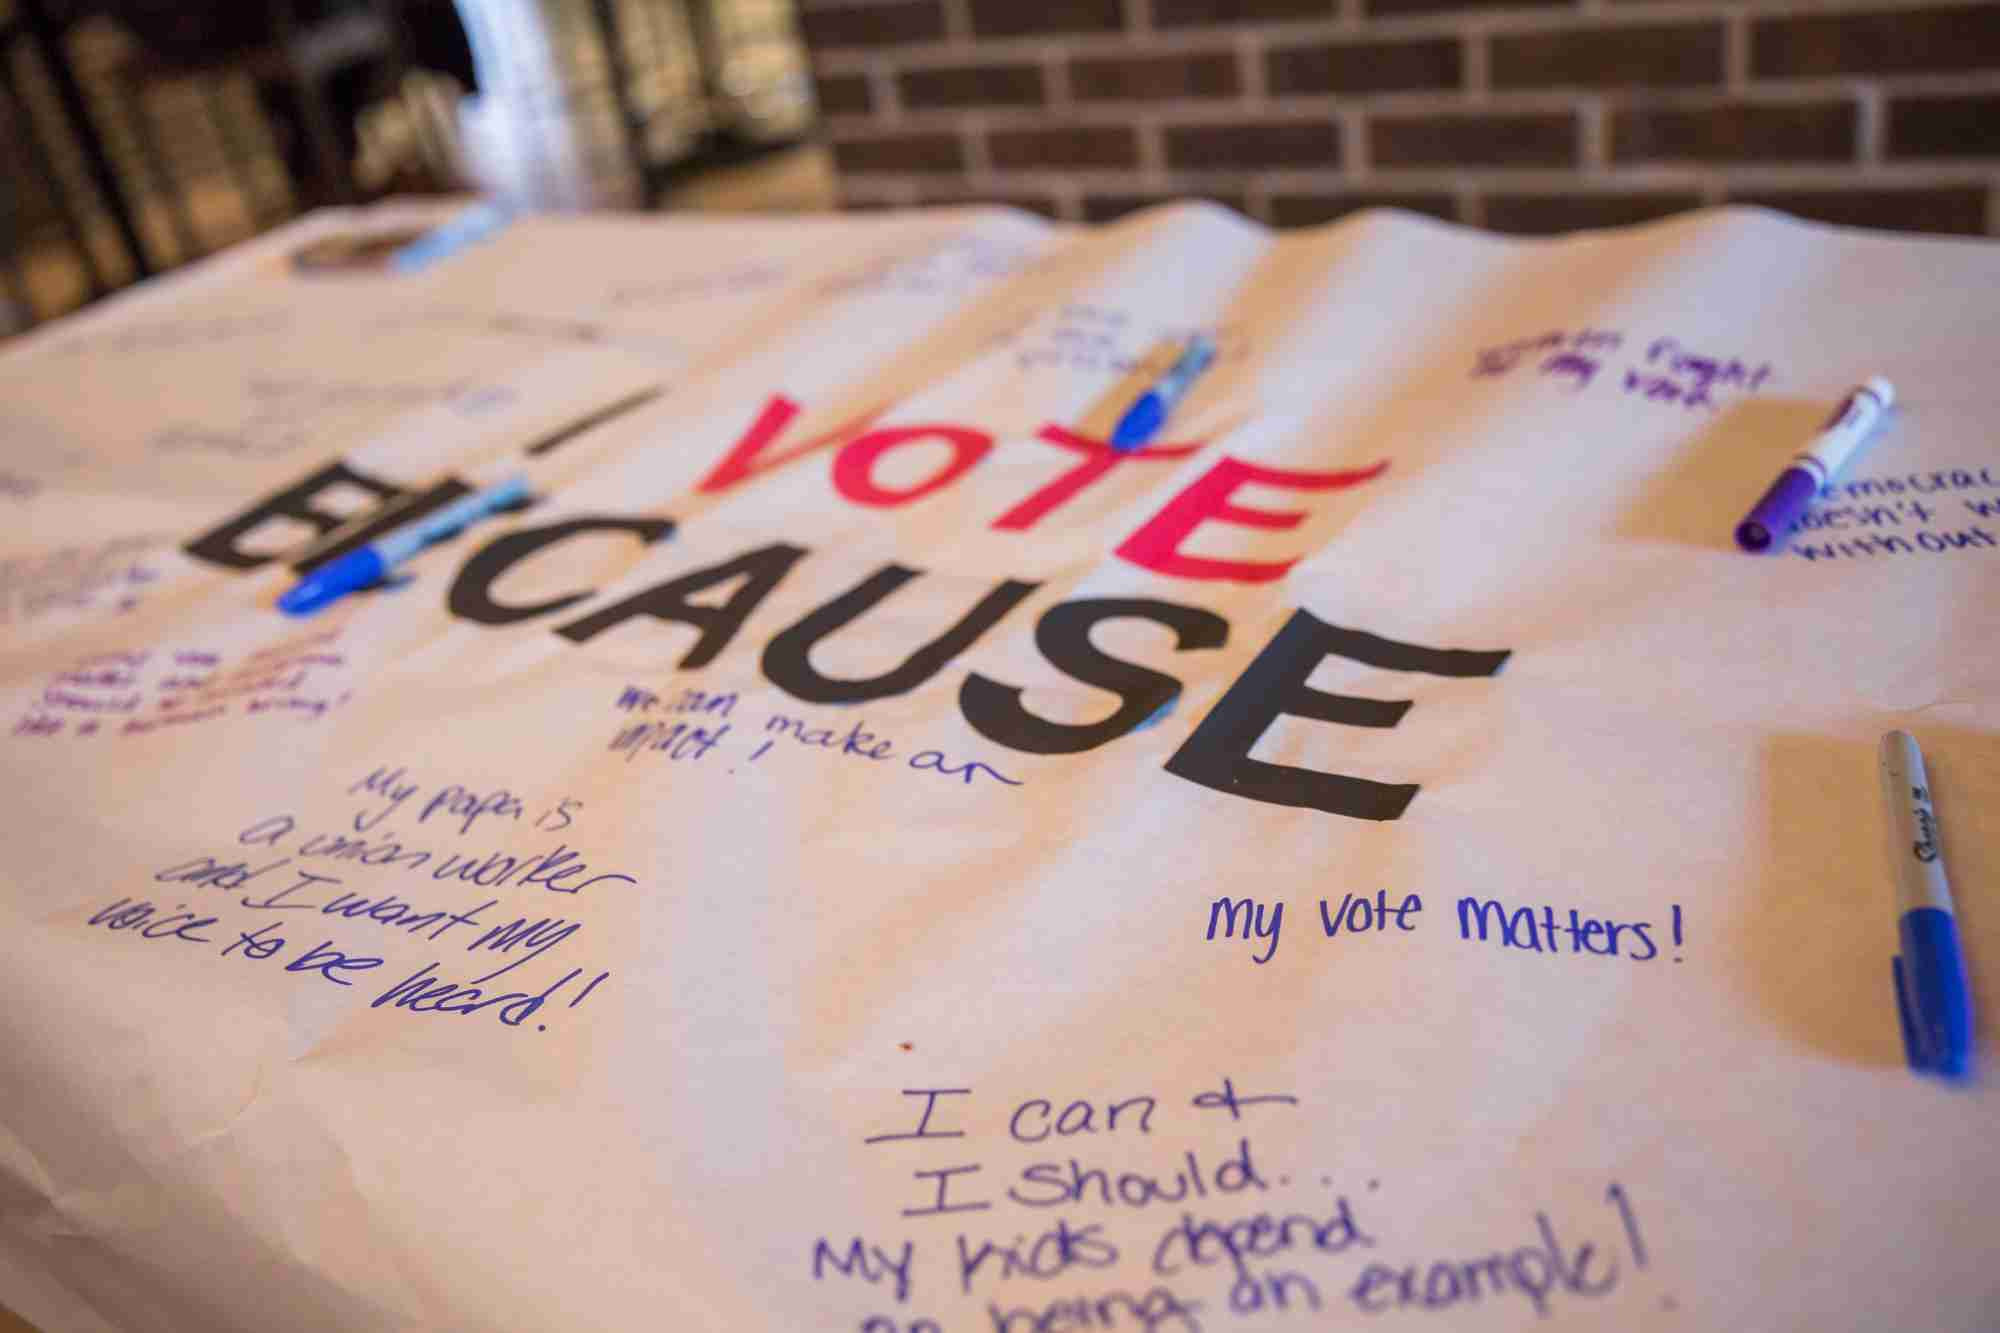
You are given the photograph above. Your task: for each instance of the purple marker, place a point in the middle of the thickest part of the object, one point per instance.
(1817, 464)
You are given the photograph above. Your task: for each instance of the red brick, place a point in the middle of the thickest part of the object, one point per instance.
(1909, 41)
(1740, 132)
(1395, 8)
(1281, 143)
(1537, 139)
(970, 85)
(872, 25)
(1957, 209)
(1194, 13)
(959, 196)
(1664, 56)
(1105, 207)
(1544, 214)
(1023, 18)
(1365, 67)
(1071, 146)
(900, 152)
(1153, 78)
(1945, 126)
(1304, 210)
(843, 94)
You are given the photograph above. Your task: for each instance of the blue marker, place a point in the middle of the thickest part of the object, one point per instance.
(447, 239)
(368, 564)
(1142, 420)
(1931, 990)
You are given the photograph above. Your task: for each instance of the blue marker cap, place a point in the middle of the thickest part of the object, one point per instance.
(1931, 994)
(332, 580)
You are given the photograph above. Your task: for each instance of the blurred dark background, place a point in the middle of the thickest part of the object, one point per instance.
(138, 134)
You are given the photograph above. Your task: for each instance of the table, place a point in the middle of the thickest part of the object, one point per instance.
(856, 852)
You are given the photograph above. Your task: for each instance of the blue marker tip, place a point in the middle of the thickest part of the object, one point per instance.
(333, 580)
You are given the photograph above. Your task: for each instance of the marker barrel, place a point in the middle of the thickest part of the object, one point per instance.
(1847, 429)
(406, 541)
(1915, 854)
(1196, 359)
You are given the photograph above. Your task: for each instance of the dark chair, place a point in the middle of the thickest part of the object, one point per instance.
(38, 27)
(314, 64)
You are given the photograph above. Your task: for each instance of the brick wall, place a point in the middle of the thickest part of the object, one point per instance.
(1519, 115)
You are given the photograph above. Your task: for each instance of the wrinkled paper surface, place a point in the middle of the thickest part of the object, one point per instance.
(623, 922)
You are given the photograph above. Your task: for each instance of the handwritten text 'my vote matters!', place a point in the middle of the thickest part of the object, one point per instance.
(717, 595)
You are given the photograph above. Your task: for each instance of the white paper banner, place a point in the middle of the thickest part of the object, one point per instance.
(858, 853)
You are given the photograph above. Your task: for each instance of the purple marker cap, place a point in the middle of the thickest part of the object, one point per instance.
(1781, 506)
(1816, 465)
